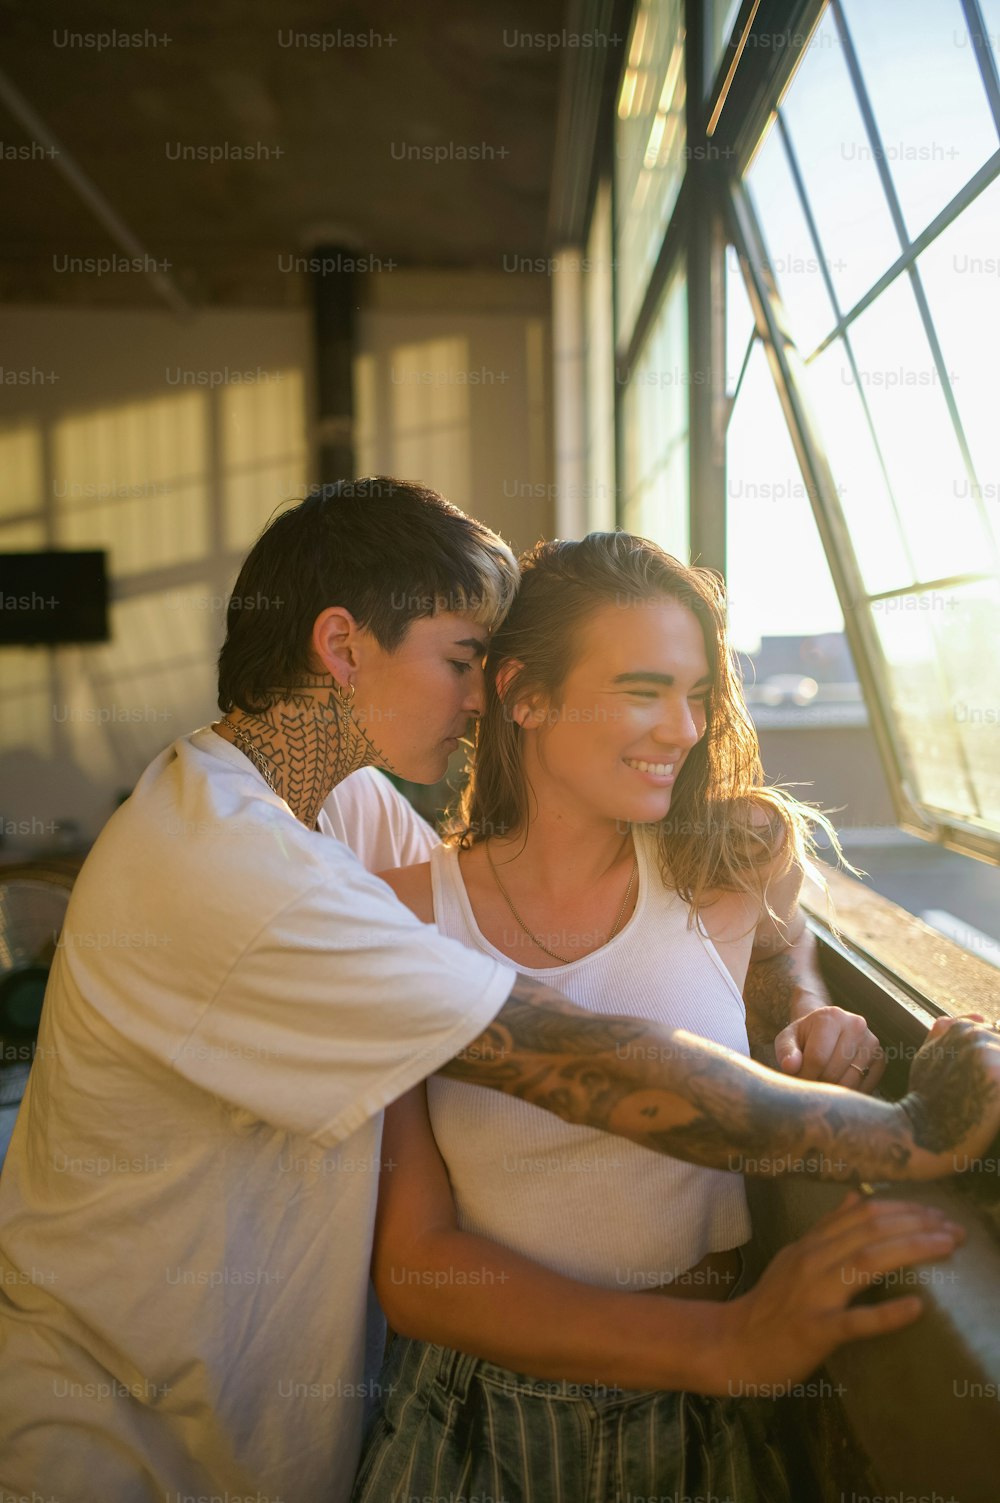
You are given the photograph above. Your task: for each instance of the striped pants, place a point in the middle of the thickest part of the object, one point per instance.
(454, 1429)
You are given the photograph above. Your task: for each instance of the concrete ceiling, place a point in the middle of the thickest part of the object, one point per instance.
(357, 128)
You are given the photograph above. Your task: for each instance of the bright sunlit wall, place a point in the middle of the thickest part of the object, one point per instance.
(169, 444)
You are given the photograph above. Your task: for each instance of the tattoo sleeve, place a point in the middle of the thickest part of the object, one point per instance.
(768, 992)
(954, 1075)
(681, 1095)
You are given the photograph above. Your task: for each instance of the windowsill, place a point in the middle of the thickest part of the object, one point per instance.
(920, 1405)
(914, 961)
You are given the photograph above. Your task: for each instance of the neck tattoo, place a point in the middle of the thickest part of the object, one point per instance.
(256, 756)
(304, 744)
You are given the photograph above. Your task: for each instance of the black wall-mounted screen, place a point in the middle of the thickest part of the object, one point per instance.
(53, 597)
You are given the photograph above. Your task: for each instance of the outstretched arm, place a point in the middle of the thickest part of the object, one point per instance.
(437, 1283)
(682, 1095)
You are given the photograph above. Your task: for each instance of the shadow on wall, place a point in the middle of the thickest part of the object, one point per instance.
(170, 445)
(175, 486)
(38, 782)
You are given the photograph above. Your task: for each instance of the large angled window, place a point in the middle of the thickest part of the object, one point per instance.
(778, 582)
(599, 367)
(650, 143)
(870, 225)
(655, 428)
(652, 378)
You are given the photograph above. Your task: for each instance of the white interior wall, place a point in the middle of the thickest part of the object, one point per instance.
(167, 442)
(453, 385)
(171, 442)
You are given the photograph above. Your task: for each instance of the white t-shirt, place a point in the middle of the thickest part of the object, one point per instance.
(186, 1209)
(380, 826)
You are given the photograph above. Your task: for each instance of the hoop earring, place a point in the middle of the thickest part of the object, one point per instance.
(345, 698)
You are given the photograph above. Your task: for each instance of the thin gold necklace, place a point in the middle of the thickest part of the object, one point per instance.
(563, 959)
(252, 750)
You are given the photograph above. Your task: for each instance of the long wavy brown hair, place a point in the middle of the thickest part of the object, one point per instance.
(725, 830)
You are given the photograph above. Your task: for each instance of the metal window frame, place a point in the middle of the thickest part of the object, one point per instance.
(915, 815)
(727, 116)
(722, 117)
(694, 245)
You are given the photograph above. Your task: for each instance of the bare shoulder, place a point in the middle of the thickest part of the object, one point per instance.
(412, 886)
(738, 919)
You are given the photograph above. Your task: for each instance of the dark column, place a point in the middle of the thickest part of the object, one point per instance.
(335, 307)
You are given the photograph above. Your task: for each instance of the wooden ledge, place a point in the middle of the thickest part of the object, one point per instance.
(921, 958)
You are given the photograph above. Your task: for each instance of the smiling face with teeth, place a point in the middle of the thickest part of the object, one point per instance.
(632, 705)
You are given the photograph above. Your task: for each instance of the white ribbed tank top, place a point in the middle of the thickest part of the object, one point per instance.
(582, 1202)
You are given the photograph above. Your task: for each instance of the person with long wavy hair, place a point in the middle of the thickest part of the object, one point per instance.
(616, 838)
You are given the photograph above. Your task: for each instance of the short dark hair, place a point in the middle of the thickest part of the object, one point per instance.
(386, 550)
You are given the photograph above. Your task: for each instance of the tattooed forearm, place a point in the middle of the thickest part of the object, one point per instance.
(685, 1096)
(679, 1094)
(768, 992)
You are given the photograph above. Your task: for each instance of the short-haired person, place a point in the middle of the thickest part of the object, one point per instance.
(186, 1212)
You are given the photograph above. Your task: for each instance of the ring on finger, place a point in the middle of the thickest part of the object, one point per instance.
(861, 1072)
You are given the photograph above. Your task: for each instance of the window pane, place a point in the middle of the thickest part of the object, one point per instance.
(969, 637)
(856, 233)
(600, 365)
(724, 13)
(991, 25)
(649, 147)
(861, 483)
(655, 412)
(789, 250)
(739, 319)
(921, 699)
(960, 271)
(928, 99)
(658, 507)
(778, 578)
(916, 436)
